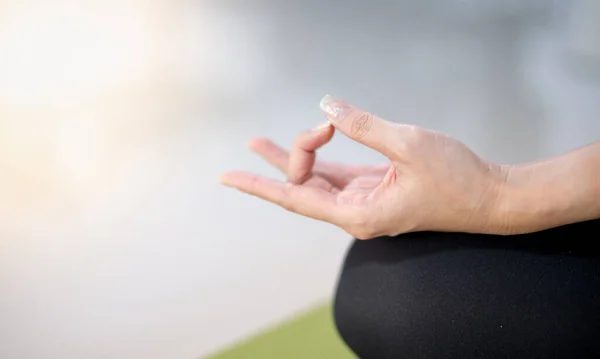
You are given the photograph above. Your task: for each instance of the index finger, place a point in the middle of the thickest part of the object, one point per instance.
(303, 153)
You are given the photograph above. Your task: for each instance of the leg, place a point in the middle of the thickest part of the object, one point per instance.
(451, 295)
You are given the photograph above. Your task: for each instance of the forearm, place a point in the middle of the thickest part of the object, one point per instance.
(551, 193)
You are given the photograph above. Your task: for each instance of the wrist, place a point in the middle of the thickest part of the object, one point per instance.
(539, 196)
(520, 202)
(486, 213)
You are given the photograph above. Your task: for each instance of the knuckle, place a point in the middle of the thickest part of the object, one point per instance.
(418, 136)
(361, 125)
(298, 141)
(410, 138)
(286, 199)
(301, 140)
(254, 184)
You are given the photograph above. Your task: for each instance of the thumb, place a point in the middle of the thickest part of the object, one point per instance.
(361, 126)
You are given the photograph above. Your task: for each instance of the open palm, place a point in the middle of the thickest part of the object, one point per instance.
(349, 183)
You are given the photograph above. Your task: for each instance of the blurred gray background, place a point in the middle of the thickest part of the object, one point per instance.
(117, 118)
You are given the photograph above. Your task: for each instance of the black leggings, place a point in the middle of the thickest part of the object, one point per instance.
(452, 295)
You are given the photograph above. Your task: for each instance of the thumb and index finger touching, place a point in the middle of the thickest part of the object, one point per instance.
(361, 126)
(353, 122)
(357, 124)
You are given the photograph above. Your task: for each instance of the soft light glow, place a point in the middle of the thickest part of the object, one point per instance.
(72, 74)
(58, 55)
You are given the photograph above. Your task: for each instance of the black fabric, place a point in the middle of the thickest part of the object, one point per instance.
(452, 295)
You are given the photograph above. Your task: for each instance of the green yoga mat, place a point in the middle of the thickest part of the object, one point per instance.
(309, 336)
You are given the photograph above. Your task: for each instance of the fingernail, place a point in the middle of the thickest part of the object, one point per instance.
(336, 110)
(322, 126)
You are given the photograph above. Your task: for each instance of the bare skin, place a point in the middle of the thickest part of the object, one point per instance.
(432, 182)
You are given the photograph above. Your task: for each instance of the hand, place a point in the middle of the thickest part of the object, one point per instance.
(432, 182)
(301, 166)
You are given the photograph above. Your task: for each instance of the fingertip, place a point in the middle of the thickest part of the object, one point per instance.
(224, 179)
(323, 126)
(256, 142)
(324, 131)
(335, 110)
(329, 132)
(228, 178)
